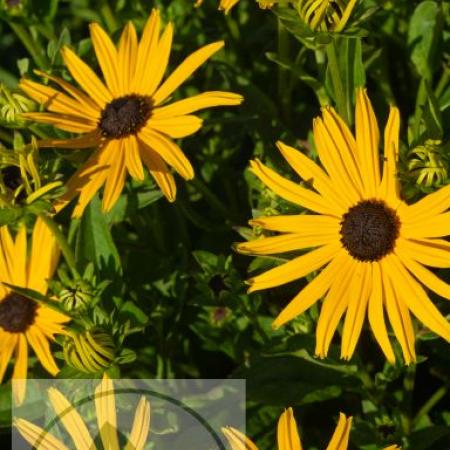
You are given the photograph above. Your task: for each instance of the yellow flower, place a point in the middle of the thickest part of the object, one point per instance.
(326, 15)
(372, 246)
(22, 321)
(288, 436)
(126, 118)
(226, 5)
(105, 406)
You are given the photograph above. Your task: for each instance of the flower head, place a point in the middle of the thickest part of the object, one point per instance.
(289, 438)
(371, 247)
(23, 322)
(126, 117)
(105, 406)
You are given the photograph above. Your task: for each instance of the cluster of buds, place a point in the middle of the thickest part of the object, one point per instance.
(12, 105)
(20, 182)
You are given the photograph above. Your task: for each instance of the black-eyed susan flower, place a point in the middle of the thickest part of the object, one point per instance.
(23, 322)
(127, 117)
(105, 406)
(288, 436)
(372, 247)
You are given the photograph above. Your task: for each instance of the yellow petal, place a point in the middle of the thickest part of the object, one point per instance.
(141, 426)
(291, 191)
(285, 243)
(88, 140)
(8, 342)
(312, 174)
(389, 187)
(56, 101)
(238, 440)
(426, 277)
(176, 127)
(106, 56)
(71, 419)
(41, 347)
(86, 78)
(155, 69)
(376, 314)
(19, 276)
(341, 435)
(159, 171)
(398, 317)
(63, 121)
(92, 109)
(430, 252)
(197, 102)
(115, 179)
(296, 268)
(429, 206)
(430, 227)
(287, 432)
(146, 55)
(105, 405)
(43, 259)
(185, 70)
(307, 224)
(132, 158)
(333, 308)
(332, 158)
(126, 57)
(415, 298)
(37, 437)
(367, 141)
(314, 290)
(20, 369)
(169, 151)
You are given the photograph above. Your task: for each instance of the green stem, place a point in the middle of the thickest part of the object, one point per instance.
(108, 16)
(430, 403)
(338, 86)
(29, 43)
(420, 102)
(283, 74)
(408, 385)
(63, 243)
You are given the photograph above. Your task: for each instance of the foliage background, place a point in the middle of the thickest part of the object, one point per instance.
(170, 268)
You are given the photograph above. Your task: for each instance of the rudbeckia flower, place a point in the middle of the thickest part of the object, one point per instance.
(371, 247)
(289, 438)
(105, 406)
(23, 322)
(127, 116)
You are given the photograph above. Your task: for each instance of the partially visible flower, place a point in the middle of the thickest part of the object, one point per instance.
(23, 322)
(227, 5)
(325, 15)
(427, 164)
(20, 181)
(127, 118)
(289, 438)
(105, 407)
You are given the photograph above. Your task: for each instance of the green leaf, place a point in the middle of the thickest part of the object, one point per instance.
(94, 241)
(303, 380)
(429, 438)
(9, 215)
(424, 37)
(432, 116)
(293, 23)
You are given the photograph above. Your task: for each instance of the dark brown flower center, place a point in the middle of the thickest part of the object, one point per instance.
(17, 313)
(369, 230)
(124, 116)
